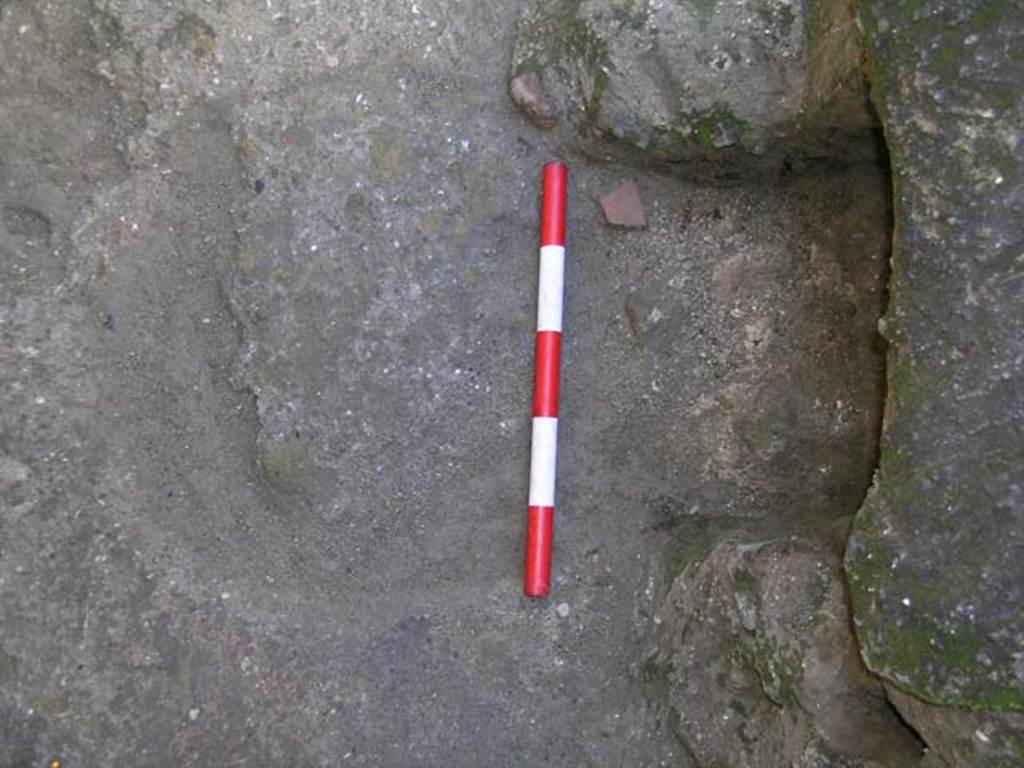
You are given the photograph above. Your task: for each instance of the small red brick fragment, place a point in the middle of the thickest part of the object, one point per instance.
(622, 208)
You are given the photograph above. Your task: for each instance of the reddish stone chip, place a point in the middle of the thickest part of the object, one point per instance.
(622, 208)
(527, 92)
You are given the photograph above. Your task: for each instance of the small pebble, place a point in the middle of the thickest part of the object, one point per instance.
(562, 610)
(527, 92)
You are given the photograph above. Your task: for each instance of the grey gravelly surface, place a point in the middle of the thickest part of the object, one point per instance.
(266, 322)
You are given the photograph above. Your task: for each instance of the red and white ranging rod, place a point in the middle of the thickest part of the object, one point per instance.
(544, 443)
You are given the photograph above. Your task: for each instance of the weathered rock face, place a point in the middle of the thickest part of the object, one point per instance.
(936, 559)
(758, 666)
(961, 737)
(700, 78)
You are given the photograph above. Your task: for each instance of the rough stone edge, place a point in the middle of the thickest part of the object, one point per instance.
(891, 465)
(835, 123)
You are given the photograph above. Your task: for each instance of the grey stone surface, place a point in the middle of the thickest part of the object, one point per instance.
(937, 556)
(700, 78)
(266, 320)
(936, 560)
(756, 660)
(962, 738)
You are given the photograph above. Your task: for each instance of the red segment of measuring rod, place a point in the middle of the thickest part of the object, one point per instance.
(540, 532)
(546, 373)
(552, 220)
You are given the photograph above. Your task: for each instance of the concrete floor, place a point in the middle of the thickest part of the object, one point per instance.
(267, 278)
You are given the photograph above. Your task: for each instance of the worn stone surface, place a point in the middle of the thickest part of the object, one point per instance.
(757, 662)
(267, 283)
(962, 738)
(700, 78)
(936, 559)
